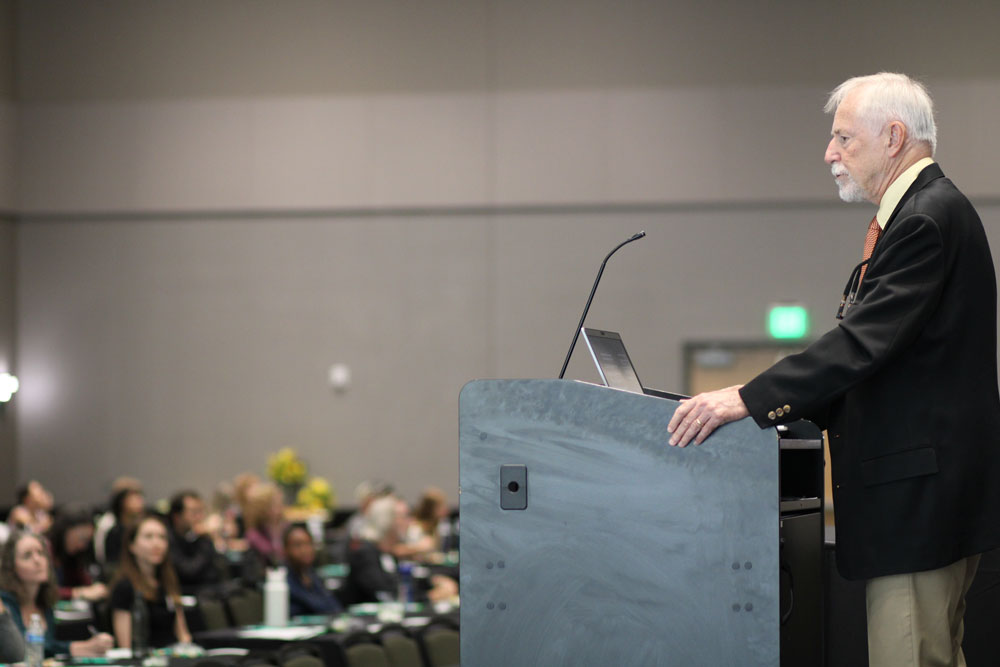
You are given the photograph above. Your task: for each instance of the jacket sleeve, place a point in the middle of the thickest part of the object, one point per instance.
(11, 639)
(196, 566)
(901, 290)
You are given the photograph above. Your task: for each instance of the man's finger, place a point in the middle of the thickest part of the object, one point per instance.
(689, 428)
(707, 430)
(679, 415)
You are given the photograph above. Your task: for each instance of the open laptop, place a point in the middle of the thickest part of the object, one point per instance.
(612, 360)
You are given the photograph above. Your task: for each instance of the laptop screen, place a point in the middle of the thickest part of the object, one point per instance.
(612, 360)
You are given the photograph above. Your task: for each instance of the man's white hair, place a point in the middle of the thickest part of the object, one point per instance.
(888, 96)
(380, 519)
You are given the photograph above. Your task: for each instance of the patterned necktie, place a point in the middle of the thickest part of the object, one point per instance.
(874, 231)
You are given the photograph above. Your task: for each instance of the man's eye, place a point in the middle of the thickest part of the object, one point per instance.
(843, 140)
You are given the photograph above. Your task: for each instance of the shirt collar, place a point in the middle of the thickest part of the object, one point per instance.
(898, 188)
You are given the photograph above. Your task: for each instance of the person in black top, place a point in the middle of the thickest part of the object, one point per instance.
(306, 592)
(128, 505)
(73, 555)
(373, 560)
(146, 570)
(191, 551)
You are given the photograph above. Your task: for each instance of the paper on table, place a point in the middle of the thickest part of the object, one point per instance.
(290, 633)
(118, 654)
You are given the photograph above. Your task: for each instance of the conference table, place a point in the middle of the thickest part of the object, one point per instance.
(329, 634)
(332, 634)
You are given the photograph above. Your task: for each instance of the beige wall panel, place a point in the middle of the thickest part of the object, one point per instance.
(429, 150)
(8, 156)
(122, 49)
(708, 145)
(551, 148)
(9, 457)
(186, 352)
(967, 146)
(135, 156)
(309, 152)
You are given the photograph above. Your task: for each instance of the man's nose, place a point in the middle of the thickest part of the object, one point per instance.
(831, 153)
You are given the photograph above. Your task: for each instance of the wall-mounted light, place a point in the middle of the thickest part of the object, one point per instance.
(339, 377)
(8, 386)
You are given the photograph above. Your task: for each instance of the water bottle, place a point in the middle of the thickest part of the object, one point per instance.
(405, 583)
(140, 626)
(34, 644)
(276, 597)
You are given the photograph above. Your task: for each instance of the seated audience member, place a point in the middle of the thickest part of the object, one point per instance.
(306, 592)
(265, 522)
(372, 576)
(28, 586)
(222, 523)
(430, 522)
(242, 485)
(106, 521)
(72, 543)
(146, 570)
(33, 509)
(11, 640)
(365, 493)
(372, 560)
(128, 505)
(191, 550)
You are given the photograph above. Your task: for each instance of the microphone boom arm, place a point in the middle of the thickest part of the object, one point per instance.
(586, 309)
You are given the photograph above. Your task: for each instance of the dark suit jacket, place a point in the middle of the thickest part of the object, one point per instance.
(368, 579)
(907, 386)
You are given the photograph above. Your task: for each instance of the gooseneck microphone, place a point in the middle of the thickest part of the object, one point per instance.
(586, 309)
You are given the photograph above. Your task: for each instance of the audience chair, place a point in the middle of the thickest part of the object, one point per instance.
(442, 647)
(303, 661)
(359, 637)
(299, 654)
(258, 659)
(246, 608)
(213, 613)
(401, 650)
(366, 655)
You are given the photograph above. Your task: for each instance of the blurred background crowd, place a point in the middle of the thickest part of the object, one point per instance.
(186, 553)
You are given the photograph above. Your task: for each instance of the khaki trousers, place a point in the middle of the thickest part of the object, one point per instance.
(915, 620)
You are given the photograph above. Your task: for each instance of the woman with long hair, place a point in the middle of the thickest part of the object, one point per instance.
(264, 520)
(28, 586)
(72, 538)
(145, 570)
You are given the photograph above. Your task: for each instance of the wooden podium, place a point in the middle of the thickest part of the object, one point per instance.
(588, 540)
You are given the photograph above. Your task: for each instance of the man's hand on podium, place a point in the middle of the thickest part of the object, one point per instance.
(697, 417)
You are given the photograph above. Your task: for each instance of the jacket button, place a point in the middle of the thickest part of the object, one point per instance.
(788, 409)
(771, 415)
(779, 412)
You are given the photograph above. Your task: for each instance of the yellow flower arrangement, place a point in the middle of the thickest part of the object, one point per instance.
(286, 468)
(316, 495)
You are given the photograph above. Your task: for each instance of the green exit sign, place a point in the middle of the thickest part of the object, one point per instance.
(788, 321)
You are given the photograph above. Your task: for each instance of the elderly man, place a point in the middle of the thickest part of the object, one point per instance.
(906, 384)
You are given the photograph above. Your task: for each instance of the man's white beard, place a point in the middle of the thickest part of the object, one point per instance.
(849, 189)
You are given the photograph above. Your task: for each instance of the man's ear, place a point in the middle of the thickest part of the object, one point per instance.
(897, 137)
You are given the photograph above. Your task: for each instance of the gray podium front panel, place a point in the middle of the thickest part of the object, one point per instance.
(628, 551)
